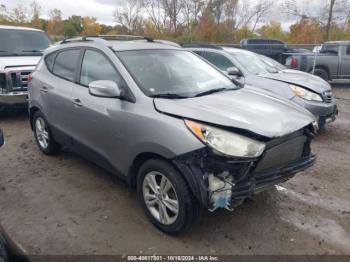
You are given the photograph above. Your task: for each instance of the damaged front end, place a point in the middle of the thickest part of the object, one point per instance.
(219, 181)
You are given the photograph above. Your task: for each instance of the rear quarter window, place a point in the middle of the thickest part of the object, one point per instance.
(49, 60)
(66, 64)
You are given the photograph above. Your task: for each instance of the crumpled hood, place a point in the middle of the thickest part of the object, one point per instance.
(14, 61)
(247, 108)
(302, 79)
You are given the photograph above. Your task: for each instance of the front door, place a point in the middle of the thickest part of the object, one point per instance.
(97, 122)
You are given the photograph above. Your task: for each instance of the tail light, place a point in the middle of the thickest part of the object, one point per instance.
(30, 78)
(294, 63)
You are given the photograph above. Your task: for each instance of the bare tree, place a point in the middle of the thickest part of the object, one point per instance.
(333, 11)
(172, 9)
(129, 15)
(246, 13)
(260, 10)
(330, 18)
(156, 13)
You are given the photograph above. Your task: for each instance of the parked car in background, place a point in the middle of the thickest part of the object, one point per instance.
(20, 50)
(308, 91)
(332, 61)
(167, 122)
(269, 47)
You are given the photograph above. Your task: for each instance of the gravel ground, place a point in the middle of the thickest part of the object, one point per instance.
(66, 205)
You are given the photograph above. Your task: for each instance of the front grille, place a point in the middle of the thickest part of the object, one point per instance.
(282, 154)
(16, 80)
(2, 81)
(328, 96)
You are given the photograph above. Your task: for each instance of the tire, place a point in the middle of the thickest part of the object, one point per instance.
(321, 73)
(188, 208)
(43, 135)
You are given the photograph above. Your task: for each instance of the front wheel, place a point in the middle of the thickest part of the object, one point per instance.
(43, 135)
(165, 197)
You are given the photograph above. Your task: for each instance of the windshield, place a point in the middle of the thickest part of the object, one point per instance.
(176, 72)
(272, 64)
(251, 62)
(22, 42)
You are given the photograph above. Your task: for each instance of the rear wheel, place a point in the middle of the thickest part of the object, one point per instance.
(321, 73)
(165, 197)
(43, 135)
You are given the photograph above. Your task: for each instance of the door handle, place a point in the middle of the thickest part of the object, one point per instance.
(44, 89)
(77, 102)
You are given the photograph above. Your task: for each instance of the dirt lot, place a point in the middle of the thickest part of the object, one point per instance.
(66, 205)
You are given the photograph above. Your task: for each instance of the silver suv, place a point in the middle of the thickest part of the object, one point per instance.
(168, 123)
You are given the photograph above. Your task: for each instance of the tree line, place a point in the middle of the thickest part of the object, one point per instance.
(219, 21)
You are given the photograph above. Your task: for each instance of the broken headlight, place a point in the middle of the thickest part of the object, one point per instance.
(305, 94)
(225, 142)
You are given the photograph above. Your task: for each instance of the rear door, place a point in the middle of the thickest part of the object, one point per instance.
(56, 91)
(97, 122)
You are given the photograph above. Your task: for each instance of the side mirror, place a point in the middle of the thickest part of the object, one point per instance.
(233, 71)
(2, 139)
(105, 88)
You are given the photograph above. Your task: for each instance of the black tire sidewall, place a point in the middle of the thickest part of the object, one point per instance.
(186, 205)
(322, 74)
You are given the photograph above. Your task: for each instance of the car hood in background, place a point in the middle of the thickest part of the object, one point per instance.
(18, 61)
(306, 80)
(246, 108)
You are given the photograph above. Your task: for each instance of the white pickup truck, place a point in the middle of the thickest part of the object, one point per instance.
(20, 51)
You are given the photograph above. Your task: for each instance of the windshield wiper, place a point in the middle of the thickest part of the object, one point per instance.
(212, 91)
(169, 95)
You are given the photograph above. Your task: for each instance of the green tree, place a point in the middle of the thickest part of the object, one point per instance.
(273, 30)
(55, 25)
(73, 26)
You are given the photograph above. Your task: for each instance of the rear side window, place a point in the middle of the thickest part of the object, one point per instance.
(348, 50)
(66, 64)
(49, 60)
(330, 49)
(218, 60)
(97, 67)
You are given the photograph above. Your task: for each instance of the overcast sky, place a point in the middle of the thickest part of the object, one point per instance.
(102, 9)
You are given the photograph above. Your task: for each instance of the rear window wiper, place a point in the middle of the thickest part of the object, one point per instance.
(212, 91)
(169, 95)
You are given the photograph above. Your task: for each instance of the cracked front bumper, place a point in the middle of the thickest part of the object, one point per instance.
(283, 158)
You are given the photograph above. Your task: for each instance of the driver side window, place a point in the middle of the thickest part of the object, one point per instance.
(218, 60)
(95, 67)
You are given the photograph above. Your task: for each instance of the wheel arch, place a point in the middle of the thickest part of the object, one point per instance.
(32, 111)
(325, 68)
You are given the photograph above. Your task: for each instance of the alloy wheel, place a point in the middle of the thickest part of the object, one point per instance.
(160, 197)
(42, 133)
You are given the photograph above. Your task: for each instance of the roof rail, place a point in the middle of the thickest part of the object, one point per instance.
(202, 45)
(105, 37)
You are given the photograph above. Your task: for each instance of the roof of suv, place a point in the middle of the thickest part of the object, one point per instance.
(117, 44)
(19, 28)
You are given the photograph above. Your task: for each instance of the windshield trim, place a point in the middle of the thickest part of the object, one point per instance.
(166, 49)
